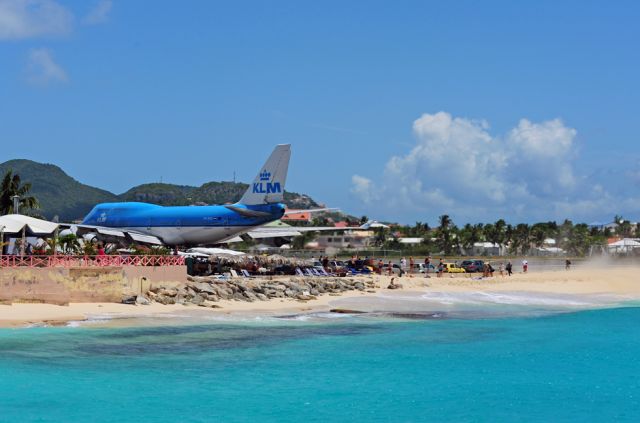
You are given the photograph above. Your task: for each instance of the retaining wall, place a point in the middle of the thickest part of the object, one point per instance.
(84, 284)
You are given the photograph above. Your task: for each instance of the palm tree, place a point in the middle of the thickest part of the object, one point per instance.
(70, 244)
(579, 242)
(538, 234)
(445, 221)
(521, 238)
(12, 186)
(500, 228)
(444, 234)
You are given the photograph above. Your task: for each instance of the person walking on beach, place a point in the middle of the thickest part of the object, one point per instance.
(390, 268)
(440, 268)
(501, 269)
(403, 265)
(509, 268)
(525, 266)
(567, 264)
(427, 265)
(411, 264)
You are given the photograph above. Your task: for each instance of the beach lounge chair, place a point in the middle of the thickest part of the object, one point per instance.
(245, 273)
(308, 272)
(323, 272)
(299, 272)
(234, 273)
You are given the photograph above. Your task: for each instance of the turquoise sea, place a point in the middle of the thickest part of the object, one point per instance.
(543, 366)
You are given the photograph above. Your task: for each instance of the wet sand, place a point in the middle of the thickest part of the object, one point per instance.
(623, 281)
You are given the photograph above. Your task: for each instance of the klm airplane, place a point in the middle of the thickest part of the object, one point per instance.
(197, 225)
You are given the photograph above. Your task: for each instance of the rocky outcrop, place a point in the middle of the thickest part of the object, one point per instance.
(205, 292)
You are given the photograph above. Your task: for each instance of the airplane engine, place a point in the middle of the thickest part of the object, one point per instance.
(65, 232)
(280, 241)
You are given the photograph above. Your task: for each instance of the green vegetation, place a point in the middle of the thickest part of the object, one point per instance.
(11, 186)
(58, 193)
(576, 239)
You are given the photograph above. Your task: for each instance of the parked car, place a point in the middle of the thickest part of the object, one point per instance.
(338, 267)
(421, 268)
(317, 264)
(395, 269)
(472, 266)
(453, 268)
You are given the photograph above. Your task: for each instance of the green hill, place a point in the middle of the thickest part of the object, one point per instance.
(209, 193)
(58, 193)
(61, 195)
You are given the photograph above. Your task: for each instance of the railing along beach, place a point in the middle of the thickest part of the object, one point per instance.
(89, 261)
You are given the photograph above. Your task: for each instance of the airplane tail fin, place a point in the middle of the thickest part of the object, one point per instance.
(268, 185)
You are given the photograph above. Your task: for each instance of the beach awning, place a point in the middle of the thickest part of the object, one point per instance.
(13, 224)
(214, 251)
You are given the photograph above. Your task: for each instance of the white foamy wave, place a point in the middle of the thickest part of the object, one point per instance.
(317, 316)
(521, 298)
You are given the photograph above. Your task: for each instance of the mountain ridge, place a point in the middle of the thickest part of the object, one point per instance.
(61, 195)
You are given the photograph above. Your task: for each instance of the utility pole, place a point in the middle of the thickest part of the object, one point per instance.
(16, 204)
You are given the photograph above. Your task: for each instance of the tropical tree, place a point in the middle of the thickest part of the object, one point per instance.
(301, 240)
(509, 233)
(469, 235)
(579, 242)
(499, 233)
(11, 186)
(70, 244)
(444, 234)
(381, 235)
(521, 239)
(624, 229)
(538, 234)
(52, 244)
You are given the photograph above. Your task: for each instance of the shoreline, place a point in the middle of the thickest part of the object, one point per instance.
(586, 280)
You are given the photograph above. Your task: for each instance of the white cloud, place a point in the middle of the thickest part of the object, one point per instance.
(458, 167)
(32, 18)
(361, 186)
(546, 139)
(99, 14)
(42, 68)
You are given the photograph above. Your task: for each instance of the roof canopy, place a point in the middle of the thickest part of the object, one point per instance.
(626, 242)
(12, 224)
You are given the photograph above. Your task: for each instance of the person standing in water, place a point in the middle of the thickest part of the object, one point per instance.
(509, 268)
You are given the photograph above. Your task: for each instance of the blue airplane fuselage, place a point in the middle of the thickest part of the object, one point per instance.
(184, 225)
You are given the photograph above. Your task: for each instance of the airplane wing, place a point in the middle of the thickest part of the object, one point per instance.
(275, 232)
(103, 232)
(294, 211)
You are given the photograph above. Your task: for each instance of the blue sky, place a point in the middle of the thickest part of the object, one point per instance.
(401, 111)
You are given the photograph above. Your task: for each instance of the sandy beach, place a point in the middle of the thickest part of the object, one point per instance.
(621, 281)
